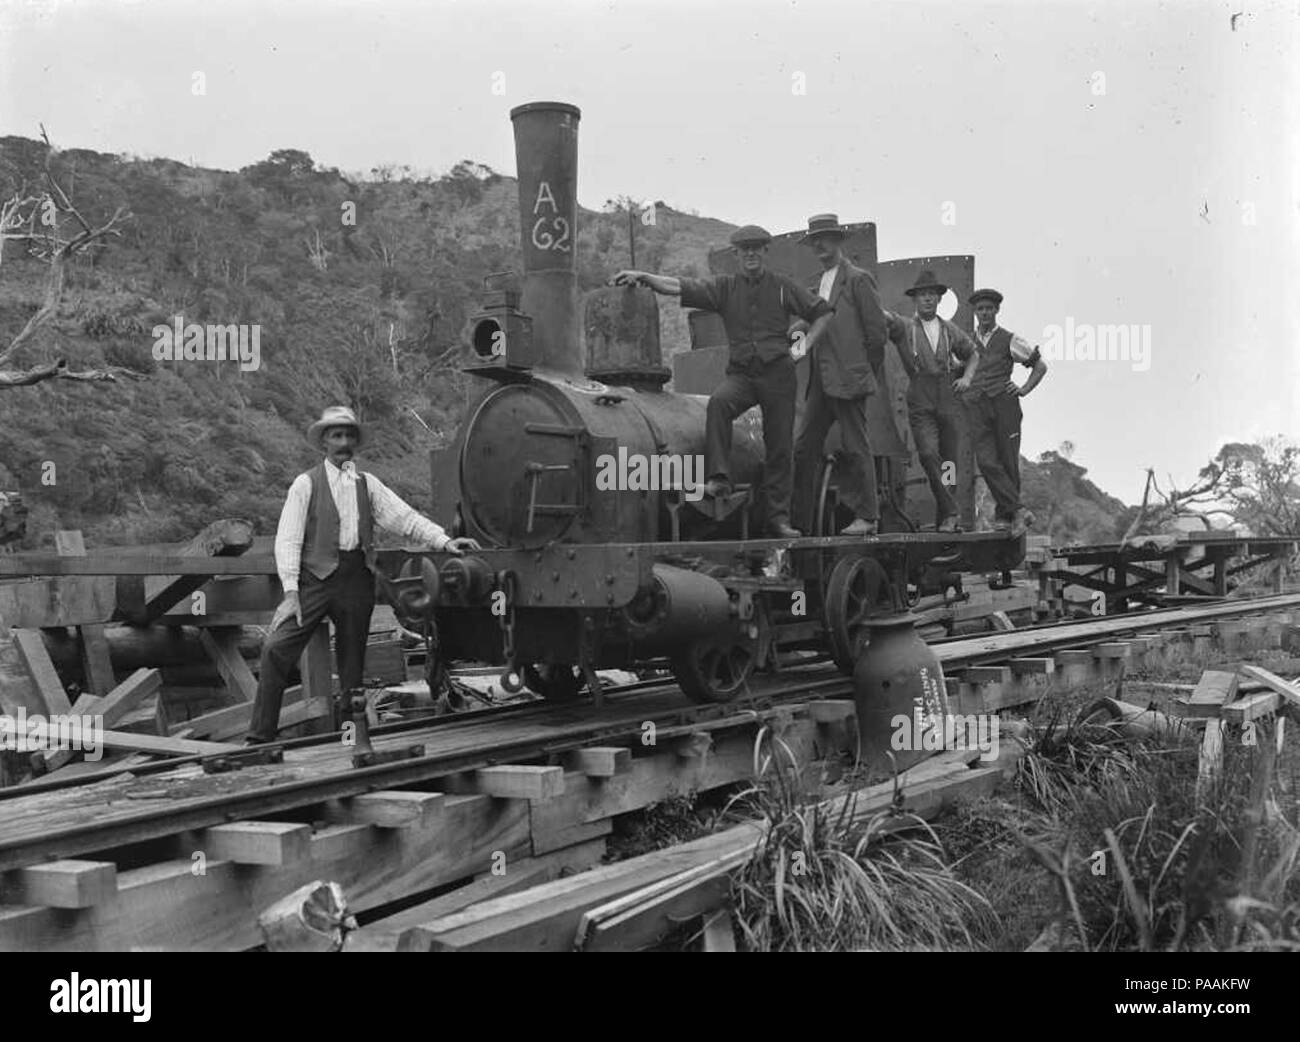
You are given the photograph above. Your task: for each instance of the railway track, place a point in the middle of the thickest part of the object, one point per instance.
(43, 822)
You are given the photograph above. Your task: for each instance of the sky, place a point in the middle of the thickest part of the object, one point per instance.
(1128, 163)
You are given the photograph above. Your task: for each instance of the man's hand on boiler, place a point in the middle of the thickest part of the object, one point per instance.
(628, 278)
(459, 546)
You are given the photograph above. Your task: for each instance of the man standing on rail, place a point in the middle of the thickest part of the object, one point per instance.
(844, 370)
(932, 349)
(324, 553)
(993, 407)
(756, 308)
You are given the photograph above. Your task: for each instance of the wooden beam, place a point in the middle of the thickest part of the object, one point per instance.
(97, 667)
(1032, 666)
(600, 761)
(222, 646)
(41, 669)
(65, 884)
(70, 601)
(391, 809)
(159, 746)
(1215, 688)
(317, 675)
(126, 696)
(144, 564)
(1252, 707)
(257, 842)
(518, 781)
(225, 538)
(719, 935)
(1211, 759)
(1289, 690)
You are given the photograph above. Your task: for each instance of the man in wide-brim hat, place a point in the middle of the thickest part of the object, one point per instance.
(844, 371)
(993, 408)
(934, 351)
(757, 307)
(325, 557)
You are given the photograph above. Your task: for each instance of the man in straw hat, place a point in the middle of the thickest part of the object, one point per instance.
(932, 349)
(756, 306)
(843, 371)
(993, 407)
(324, 553)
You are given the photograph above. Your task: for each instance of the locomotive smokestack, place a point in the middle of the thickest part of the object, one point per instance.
(546, 155)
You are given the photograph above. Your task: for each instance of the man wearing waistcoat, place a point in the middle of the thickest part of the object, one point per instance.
(756, 308)
(993, 407)
(324, 553)
(932, 349)
(843, 371)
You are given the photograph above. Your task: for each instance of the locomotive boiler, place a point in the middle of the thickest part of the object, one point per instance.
(579, 572)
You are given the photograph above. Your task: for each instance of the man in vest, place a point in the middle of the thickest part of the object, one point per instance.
(843, 371)
(324, 553)
(756, 308)
(931, 350)
(993, 407)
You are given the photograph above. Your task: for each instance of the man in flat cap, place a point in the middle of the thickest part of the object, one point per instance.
(993, 407)
(325, 556)
(757, 307)
(843, 370)
(933, 350)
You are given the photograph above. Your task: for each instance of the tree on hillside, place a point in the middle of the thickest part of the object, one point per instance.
(34, 217)
(1256, 486)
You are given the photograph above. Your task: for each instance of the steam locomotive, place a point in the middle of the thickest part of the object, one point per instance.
(576, 576)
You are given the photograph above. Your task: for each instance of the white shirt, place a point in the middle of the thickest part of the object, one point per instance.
(931, 327)
(1021, 350)
(387, 510)
(828, 283)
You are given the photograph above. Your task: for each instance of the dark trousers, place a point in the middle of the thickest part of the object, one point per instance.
(995, 429)
(772, 387)
(346, 596)
(820, 411)
(934, 415)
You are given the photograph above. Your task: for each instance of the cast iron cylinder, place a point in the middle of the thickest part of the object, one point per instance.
(899, 690)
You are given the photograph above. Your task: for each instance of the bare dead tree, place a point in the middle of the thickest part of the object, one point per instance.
(1177, 503)
(19, 221)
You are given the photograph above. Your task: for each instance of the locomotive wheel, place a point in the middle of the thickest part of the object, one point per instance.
(858, 588)
(555, 683)
(716, 669)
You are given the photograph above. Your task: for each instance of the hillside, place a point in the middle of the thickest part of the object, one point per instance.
(370, 311)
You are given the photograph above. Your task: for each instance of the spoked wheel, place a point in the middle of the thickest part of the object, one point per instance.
(857, 589)
(715, 669)
(554, 682)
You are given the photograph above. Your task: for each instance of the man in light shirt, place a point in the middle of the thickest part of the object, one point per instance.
(932, 350)
(324, 554)
(993, 407)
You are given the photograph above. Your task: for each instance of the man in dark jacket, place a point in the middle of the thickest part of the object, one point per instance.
(757, 307)
(844, 369)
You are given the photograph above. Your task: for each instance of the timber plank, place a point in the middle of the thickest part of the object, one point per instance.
(393, 809)
(126, 696)
(64, 884)
(600, 761)
(1215, 688)
(257, 842)
(42, 672)
(1288, 690)
(1251, 707)
(152, 743)
(520, 781)
(222, 646)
